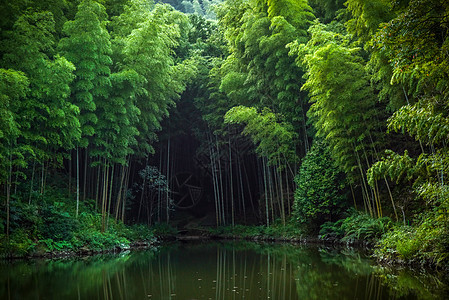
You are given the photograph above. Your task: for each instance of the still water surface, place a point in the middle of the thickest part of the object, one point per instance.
(215, 270)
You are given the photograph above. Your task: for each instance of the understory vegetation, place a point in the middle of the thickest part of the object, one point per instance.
(321, 118)
(47, 225)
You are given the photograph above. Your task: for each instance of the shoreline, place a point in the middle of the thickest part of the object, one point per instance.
(85, 252)
(363, 246)
(185, 238)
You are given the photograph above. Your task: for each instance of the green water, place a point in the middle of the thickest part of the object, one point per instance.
(213, 270)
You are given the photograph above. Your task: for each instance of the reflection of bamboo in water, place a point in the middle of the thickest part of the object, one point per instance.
(171, 277)
(170, 289)
(284, 275)
(221, 274)
(9, 288)
(118, 285)
(268, 276)
(125, 285)
(105, 288)
(251, 277)
(373, 287)
(379, 290)
(244, 277)
(110, 287)
(167, 285)
(216, 277)
(279, 274)
(223, 278)
(161, 286)
(370, 286)
(234, 273)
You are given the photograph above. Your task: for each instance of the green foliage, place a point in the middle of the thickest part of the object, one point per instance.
(147, 49)
(48, 121)
(19, 244)
(358, 227)
(13, 89)
(57, 224)
(415, 43)
(343, 103)
(320, 193)
(367, 15)
(410, 56)
(87, 46)
(427, 242)
(424, 121)
(259, 72)
(274, 140)
(426, 173)
(327, 10)
(49, 224)
(51, 245)
(204, 8)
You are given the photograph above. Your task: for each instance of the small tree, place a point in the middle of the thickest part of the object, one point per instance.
(153, 186)
(320, 195)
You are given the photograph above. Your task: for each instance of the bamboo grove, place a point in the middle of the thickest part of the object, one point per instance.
(300, 109)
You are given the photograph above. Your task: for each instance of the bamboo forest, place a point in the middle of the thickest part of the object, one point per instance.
(133, 124)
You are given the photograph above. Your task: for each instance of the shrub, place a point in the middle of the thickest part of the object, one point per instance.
(358, 227)
(19, 244)
(58, 224)
(427, 242)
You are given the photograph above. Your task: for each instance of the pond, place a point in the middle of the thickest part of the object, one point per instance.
(219, 270)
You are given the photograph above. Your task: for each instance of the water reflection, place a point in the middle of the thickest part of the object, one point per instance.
(218, 271)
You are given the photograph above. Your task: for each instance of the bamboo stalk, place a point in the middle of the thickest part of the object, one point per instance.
(77, 182)
(32, 182)
(119, 193)
(266, 193)
(241, 188)
(221, 182)
(232, 190)
(111, 186)
(128, 171)
(217, 212)
(86, 166)
(168, 179)
(8, 197)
